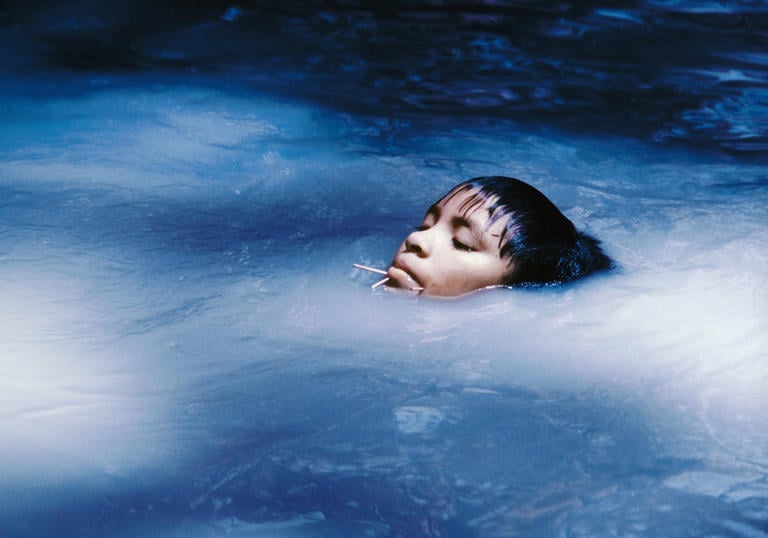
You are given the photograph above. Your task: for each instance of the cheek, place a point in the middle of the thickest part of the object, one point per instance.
(491, 271)
(455, 276)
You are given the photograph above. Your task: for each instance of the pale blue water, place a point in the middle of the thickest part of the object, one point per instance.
(186, 349)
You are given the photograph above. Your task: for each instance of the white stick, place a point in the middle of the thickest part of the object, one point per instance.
(371, 269)
(379, 283)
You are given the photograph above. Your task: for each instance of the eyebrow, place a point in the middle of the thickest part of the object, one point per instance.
(458, 222)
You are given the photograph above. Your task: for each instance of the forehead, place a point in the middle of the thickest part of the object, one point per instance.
(468, 203)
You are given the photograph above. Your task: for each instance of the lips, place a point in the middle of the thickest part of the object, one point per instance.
(401, 277)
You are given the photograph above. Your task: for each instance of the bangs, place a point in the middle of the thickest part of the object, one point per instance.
(478, 196)
(475, 199)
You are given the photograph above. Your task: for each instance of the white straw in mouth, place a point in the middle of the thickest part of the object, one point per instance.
(379, 283)
(381, 272)
(371, 269)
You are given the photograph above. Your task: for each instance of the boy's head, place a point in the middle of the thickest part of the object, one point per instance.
(492, 231)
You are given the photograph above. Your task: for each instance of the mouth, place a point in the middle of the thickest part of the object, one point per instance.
(400, 277)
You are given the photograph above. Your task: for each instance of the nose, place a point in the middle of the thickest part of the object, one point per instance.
(418, 243)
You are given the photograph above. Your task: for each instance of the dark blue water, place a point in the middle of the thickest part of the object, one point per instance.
(185, 349)
(688, 71)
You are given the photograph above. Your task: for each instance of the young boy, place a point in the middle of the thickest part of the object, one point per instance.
(492, 231)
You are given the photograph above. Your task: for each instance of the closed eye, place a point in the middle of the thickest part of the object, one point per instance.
(458, 245)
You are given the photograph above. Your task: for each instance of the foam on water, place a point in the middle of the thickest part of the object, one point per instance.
(176, 270)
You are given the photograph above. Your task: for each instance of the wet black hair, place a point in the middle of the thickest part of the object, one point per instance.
(544, 245)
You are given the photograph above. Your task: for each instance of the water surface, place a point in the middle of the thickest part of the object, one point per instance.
(187, 350)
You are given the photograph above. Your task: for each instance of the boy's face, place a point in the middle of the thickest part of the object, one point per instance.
(454, 251)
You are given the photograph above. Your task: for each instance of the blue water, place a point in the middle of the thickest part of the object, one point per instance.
(186, 349)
